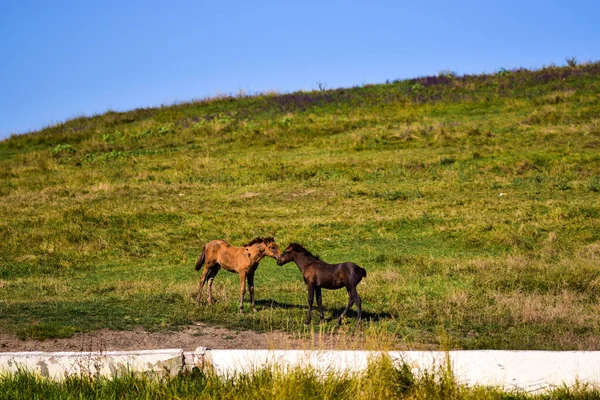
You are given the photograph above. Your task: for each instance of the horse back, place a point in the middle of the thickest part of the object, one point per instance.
(335, 276)
(215, 248)
(218, 243)
(227, 256)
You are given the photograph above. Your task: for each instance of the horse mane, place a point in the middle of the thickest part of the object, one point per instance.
(256, 240)
(300, 249)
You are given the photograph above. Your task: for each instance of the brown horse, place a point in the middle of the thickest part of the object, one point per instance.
(319, 274)
(242, 260)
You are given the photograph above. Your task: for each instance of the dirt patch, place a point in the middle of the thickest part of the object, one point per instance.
(189, 338)
(198, 335)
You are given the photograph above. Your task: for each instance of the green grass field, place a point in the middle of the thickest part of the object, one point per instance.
(472, 201)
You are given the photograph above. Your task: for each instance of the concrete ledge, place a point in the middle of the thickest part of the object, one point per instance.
(231, 362)
(111, 363)
(530, 371)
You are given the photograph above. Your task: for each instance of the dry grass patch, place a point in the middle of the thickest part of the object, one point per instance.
(526, 308)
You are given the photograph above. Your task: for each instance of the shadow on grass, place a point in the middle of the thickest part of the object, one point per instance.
(366, 315)
(277, 304)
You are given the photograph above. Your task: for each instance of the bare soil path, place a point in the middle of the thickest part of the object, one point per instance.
(197, 335)
(189, 338)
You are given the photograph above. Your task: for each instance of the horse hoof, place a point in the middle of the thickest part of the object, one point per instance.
(254, 310)
(307, 322)
(241, 311)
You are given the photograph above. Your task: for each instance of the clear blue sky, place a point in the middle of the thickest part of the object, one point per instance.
(63, 59)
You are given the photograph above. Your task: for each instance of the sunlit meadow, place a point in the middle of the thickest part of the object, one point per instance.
(473, 202)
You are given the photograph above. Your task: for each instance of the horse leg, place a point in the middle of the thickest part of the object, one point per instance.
(251, 289)
(311, 296)
(351, 299)
(207, 267)
(358, 306)
(210, 278)
(242, 291)
(320, 303)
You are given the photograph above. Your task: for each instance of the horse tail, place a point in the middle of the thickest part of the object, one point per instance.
(201, 259)
(362, 273)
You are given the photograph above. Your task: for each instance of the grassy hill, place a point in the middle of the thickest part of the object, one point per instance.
(472, 201)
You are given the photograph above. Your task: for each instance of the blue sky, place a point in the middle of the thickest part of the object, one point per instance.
(63, 59)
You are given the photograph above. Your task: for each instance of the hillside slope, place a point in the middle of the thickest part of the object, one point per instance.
(472, 201)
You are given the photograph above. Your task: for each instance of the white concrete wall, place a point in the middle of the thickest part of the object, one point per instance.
(111, 363)
(530, 371)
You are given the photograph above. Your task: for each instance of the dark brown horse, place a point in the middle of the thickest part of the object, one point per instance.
(319, 274)
(242, 260)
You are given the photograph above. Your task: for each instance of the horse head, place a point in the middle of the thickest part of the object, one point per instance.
(288, 254)
(268, 246)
